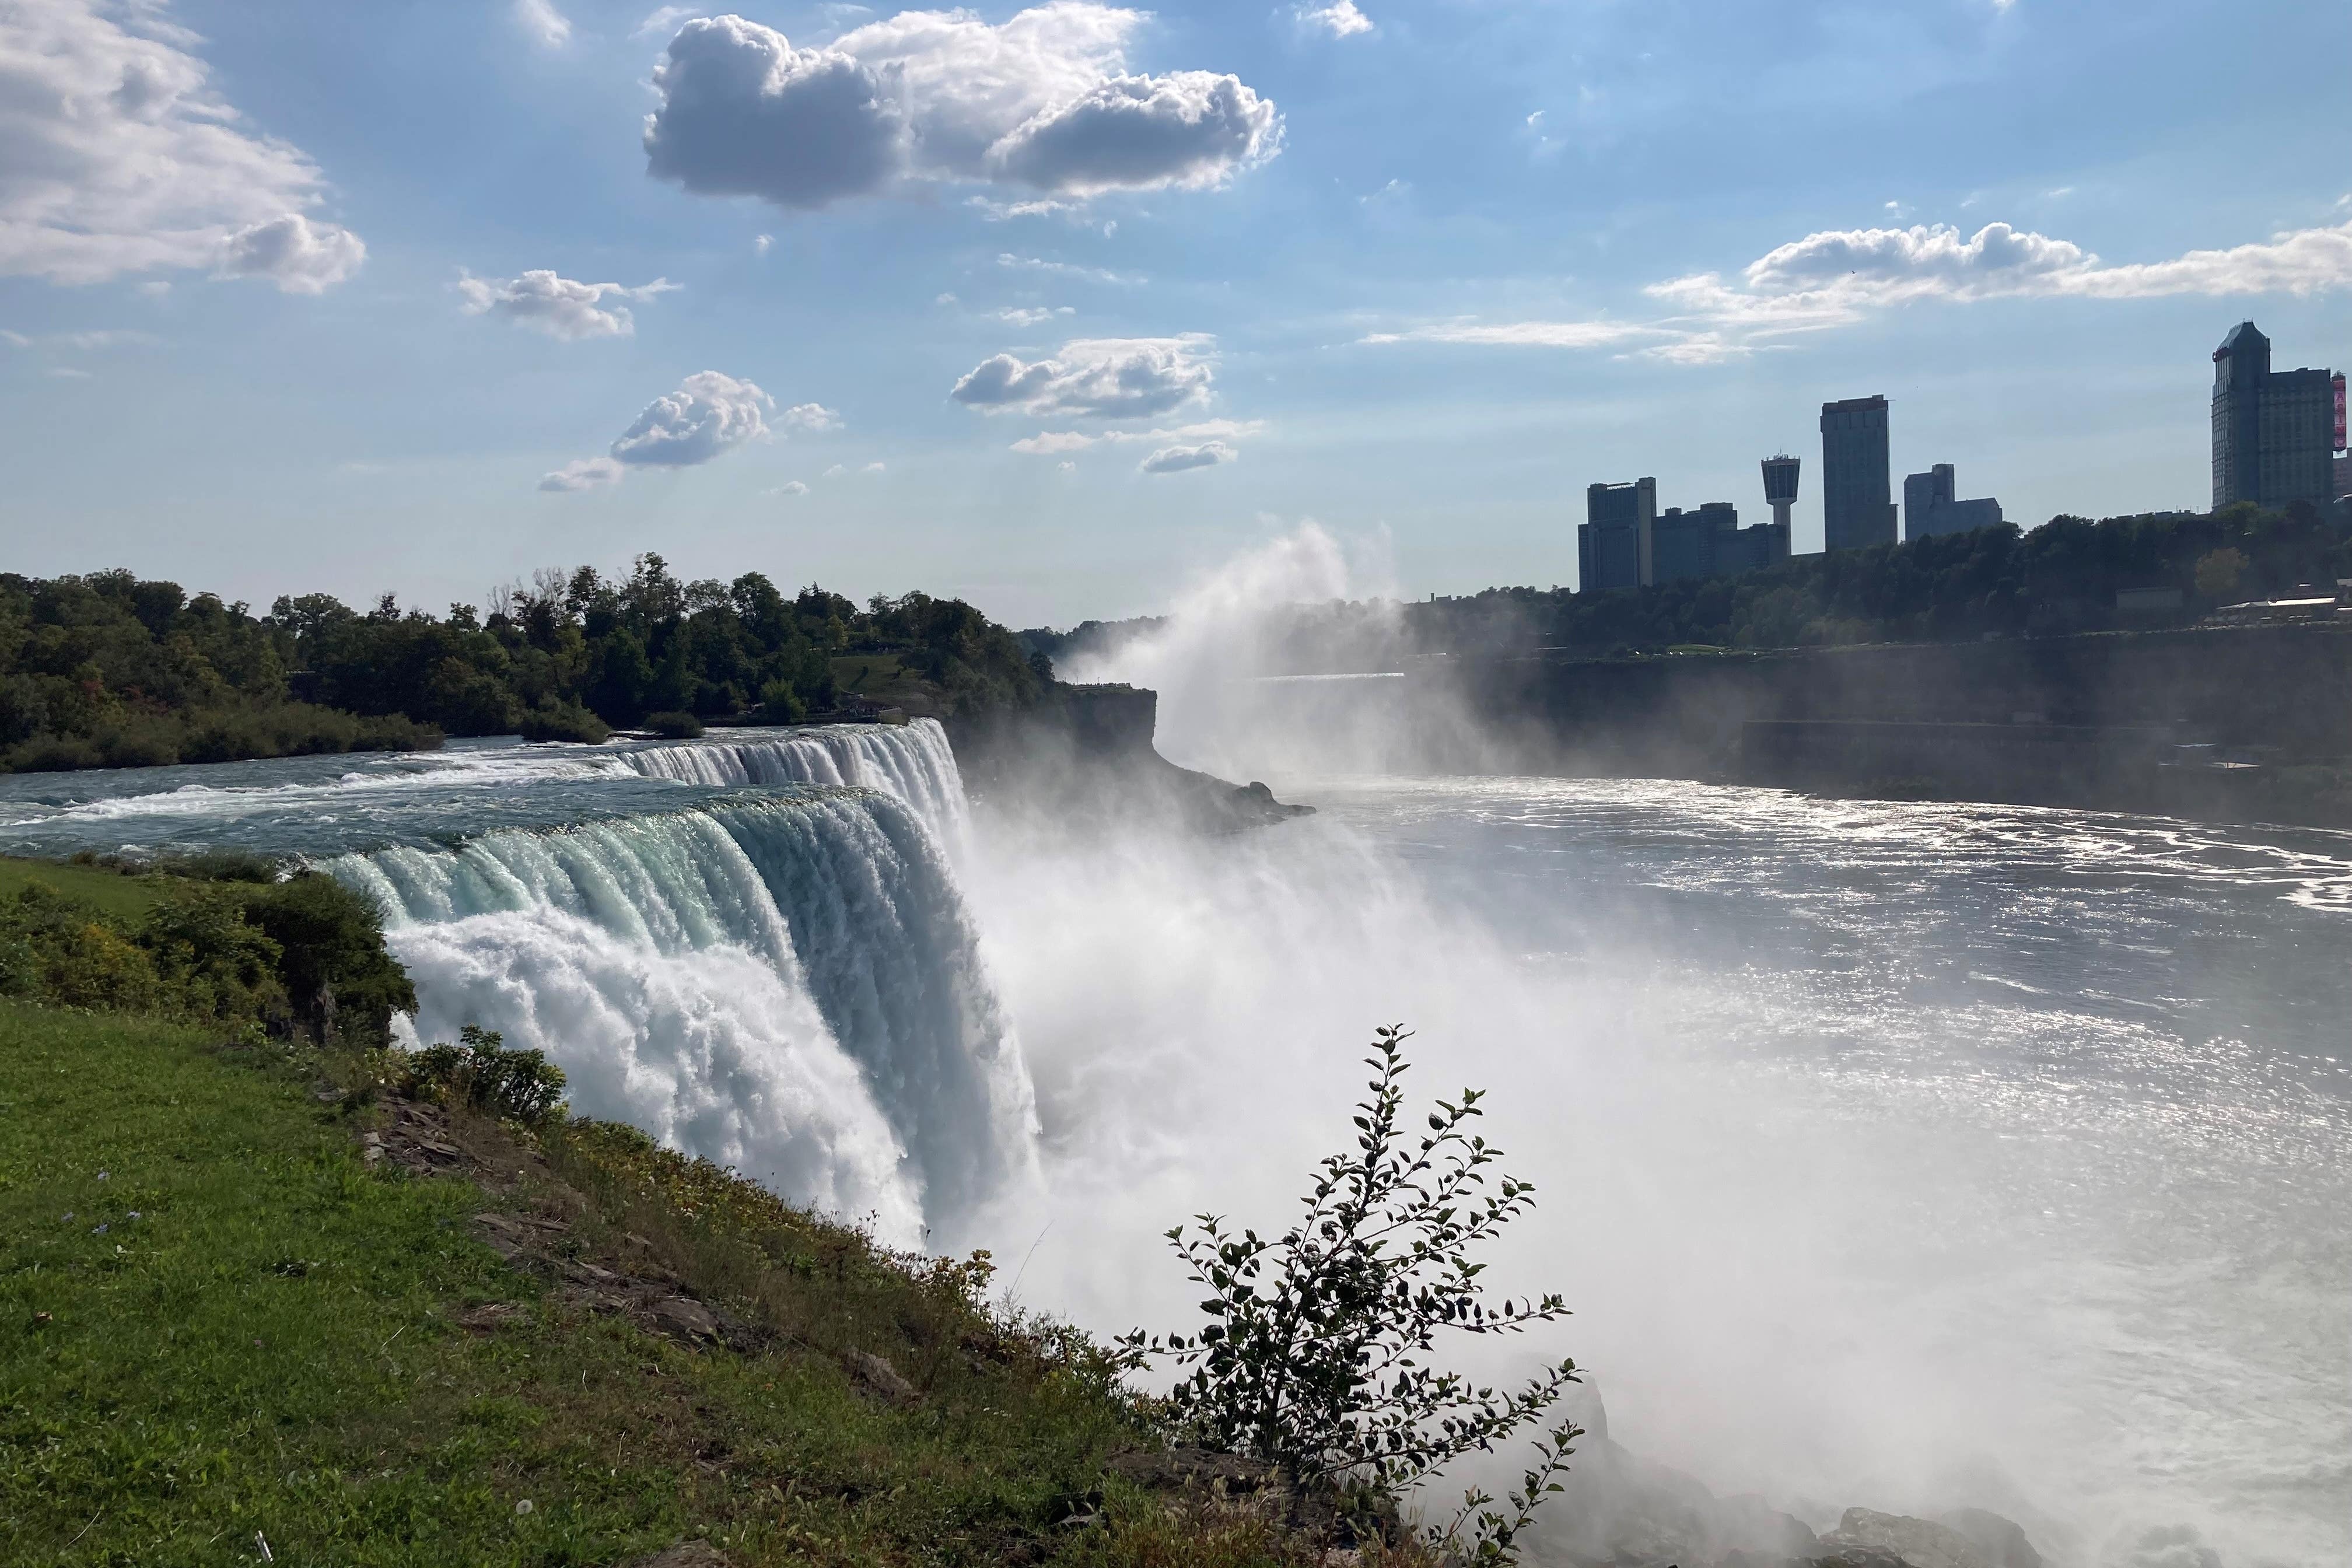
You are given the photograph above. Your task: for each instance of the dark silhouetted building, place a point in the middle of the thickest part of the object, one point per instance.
(2274, 431)
(1857, 508)
(1781, 487)
(1930, 507)
(1709, 542)
(1612, 545)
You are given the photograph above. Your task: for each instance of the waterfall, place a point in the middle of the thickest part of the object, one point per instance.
(789, 985)
(912, 761)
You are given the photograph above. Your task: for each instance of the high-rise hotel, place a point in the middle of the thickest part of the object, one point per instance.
(2274, 430)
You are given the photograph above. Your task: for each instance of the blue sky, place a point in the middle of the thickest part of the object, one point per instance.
(1052, 309)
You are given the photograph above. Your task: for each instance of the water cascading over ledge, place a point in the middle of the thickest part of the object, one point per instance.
(912, 761)
(789, 985)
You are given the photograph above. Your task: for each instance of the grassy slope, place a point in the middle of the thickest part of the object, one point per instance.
(268, 1347)
(130, 897)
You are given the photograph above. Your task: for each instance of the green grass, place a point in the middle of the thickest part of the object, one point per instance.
(259, 1340)
(129, 897)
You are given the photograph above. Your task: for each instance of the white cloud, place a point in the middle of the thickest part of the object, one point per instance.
(299, 256)
(1177, 460)
(1339, 18)
(558, 306)
(1838, 277)
(548, 27)
(583, 474)
(709, 415)
(761, 242)
(1049, 443)
(871, 468)
(1102, 378)
(1042, 100)
(789, 488)
(1064, 269)
(665, 20)
(1067, 467)
(1032, 315)
(1533, 334)
(68, 372)
(1192, 130)
(809, 416)
(117, 156)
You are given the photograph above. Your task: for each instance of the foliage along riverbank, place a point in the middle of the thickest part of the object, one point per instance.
(111, 670)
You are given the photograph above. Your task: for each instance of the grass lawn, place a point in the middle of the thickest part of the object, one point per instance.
(130, 897)
(218, 1326)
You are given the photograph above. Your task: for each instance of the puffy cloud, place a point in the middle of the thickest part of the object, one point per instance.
(709, 414)
(809, 416)
(1191, 129)
(1102, 378)
(789, 488)
(743, 113)
(117, 156)
(1341, 19)
(549, 28)
(299, 256)
(558, 306)
(1032, 315)
(583, 474)
(1177, 460)
(1041, 100)
(1838, 277)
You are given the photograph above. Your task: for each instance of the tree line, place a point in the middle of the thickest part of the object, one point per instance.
(108, 669)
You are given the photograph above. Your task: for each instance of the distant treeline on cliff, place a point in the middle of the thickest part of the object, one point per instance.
(109, 670)
(2064, 576)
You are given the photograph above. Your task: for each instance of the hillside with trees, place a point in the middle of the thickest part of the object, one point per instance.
(110, 670)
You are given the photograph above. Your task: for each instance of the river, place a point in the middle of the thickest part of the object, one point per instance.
(1893, 1155)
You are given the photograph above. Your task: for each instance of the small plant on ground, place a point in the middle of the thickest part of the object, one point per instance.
(1317, 1357)
(479, 1071)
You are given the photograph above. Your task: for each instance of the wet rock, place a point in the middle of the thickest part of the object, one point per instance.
(880, 1378)
(1921, 1543)
(684, 1318)
(2003, 1541)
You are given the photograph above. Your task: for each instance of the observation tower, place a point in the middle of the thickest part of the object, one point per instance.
(1780, 486)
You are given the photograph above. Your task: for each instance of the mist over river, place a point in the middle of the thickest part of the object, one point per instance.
(1897, 1156)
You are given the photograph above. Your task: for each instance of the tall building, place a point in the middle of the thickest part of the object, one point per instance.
(1709, 542)
(1613, 543)
(1781, 487)
(1857, 508)
(1931, 506)
(2274, 431)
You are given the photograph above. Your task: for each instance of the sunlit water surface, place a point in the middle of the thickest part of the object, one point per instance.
(1892, 1154)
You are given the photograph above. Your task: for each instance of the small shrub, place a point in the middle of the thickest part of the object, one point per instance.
(781, 704)
(564, 721)
(216, 965)
(480, 1072)
(675, 726)
(1316, 1360)
(338, 976)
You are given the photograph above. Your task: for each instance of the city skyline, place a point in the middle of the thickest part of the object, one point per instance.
(521, 292)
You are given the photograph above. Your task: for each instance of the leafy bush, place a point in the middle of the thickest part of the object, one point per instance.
(674, 726)
(480, 1072)
(780, 704)
(564, 721)
(1315, 1359)
(338, 976)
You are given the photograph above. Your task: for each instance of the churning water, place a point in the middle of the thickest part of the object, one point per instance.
(1891, 1154)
